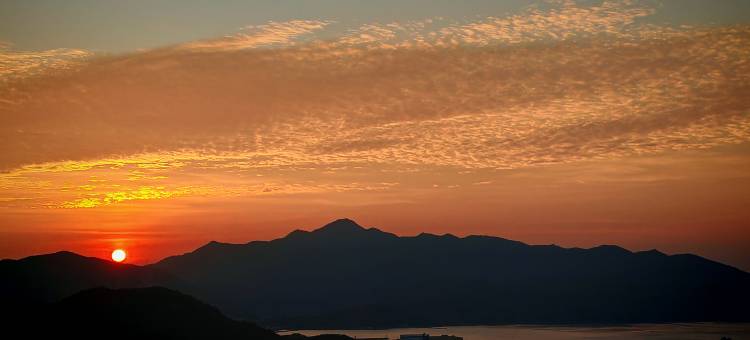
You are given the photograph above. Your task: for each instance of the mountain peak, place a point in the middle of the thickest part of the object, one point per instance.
(610, 249)
(60, 257)
(343, 225)
(341, 230)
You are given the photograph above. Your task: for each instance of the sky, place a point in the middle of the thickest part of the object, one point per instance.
(157, 126)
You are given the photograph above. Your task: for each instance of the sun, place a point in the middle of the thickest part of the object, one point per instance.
(119, 255)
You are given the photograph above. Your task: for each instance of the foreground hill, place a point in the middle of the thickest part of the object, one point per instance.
(139, 313)
(47, 278)
(346, 276)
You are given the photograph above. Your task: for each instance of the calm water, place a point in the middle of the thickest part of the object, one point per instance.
(522, 332)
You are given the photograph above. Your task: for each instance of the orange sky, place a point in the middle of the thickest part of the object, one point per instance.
(576, 126)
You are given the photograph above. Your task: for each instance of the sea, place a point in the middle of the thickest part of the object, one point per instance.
(678, 331)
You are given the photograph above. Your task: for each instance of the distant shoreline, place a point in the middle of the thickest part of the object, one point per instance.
(709, 330)
(528, 325)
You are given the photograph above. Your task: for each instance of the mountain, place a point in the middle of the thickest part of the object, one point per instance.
(346, 276)
(47, 278)
(138, 313)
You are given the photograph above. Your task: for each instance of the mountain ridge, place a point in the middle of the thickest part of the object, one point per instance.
(325, 277)
(343, 275)
(46, 278)
(347, 226)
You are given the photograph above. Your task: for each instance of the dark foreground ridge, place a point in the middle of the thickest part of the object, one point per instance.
(138, 313)
(346, 276)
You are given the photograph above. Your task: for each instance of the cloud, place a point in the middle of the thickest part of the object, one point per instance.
(552, 22)
(142, 193)
(548, 86)
(15, 65)
(271, 34)
(562, 22)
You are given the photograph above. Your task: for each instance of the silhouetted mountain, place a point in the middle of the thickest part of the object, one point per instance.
(346, 276)
(48, 278)
(139, 313)
(146, 313)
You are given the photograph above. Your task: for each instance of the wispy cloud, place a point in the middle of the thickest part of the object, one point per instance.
(565, 21)
(553, 22)
(551, 85)
(15, 65)
(271, 34)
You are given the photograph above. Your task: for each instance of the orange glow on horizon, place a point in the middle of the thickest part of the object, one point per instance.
(570, 123)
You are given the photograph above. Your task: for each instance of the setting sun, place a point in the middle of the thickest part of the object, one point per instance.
(423, 169)
(119, 255)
